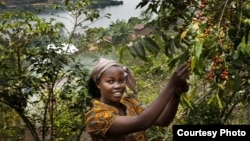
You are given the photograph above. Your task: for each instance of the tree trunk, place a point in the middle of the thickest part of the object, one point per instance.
(29, 125)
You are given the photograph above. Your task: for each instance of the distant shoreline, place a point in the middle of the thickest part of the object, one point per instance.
(32, 4)
(34, 7)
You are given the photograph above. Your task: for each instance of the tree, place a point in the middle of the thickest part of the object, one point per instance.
(120, 31)
(213, 37)
(45, 88)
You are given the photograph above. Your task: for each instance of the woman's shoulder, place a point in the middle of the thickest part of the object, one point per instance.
(131, 100)
(133, 104)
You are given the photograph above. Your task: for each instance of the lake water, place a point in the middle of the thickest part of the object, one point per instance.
(122, 12)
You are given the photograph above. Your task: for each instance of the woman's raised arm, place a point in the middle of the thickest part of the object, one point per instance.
(123, 125)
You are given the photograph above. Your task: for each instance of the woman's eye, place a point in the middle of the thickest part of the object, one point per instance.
(110, 81)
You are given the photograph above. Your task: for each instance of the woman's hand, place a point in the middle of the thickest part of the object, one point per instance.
(179, 78)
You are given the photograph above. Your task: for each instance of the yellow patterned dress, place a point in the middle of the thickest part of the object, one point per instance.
(101, 116)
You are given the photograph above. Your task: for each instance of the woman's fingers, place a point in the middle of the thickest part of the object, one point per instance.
(183, 71)
(181, 67)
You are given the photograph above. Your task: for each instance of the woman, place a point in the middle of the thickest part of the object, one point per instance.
(116, 116)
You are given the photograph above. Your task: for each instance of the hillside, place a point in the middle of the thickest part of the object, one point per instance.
(18, 2)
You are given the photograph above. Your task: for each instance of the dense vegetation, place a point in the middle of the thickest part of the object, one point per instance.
(44, 92)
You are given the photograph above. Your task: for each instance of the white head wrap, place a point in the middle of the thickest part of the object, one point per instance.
(103, 64)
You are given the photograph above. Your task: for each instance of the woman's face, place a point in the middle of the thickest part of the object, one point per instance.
(112, 85)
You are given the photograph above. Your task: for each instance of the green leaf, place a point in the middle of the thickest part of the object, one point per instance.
(185, 100)
(139, 49)
(150, 45)
(192, 93)
(172, 47)
(132, 51)
(142, 4)
(198, 50)
(218, 100)
(193, 62)
(211, 99)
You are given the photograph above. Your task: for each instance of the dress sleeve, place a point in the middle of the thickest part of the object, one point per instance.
(98, 122)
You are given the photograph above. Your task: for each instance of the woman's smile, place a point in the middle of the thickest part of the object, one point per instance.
(117, 94)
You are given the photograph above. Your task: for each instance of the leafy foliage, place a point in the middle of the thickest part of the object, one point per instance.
(44, 87)
(212, 36)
